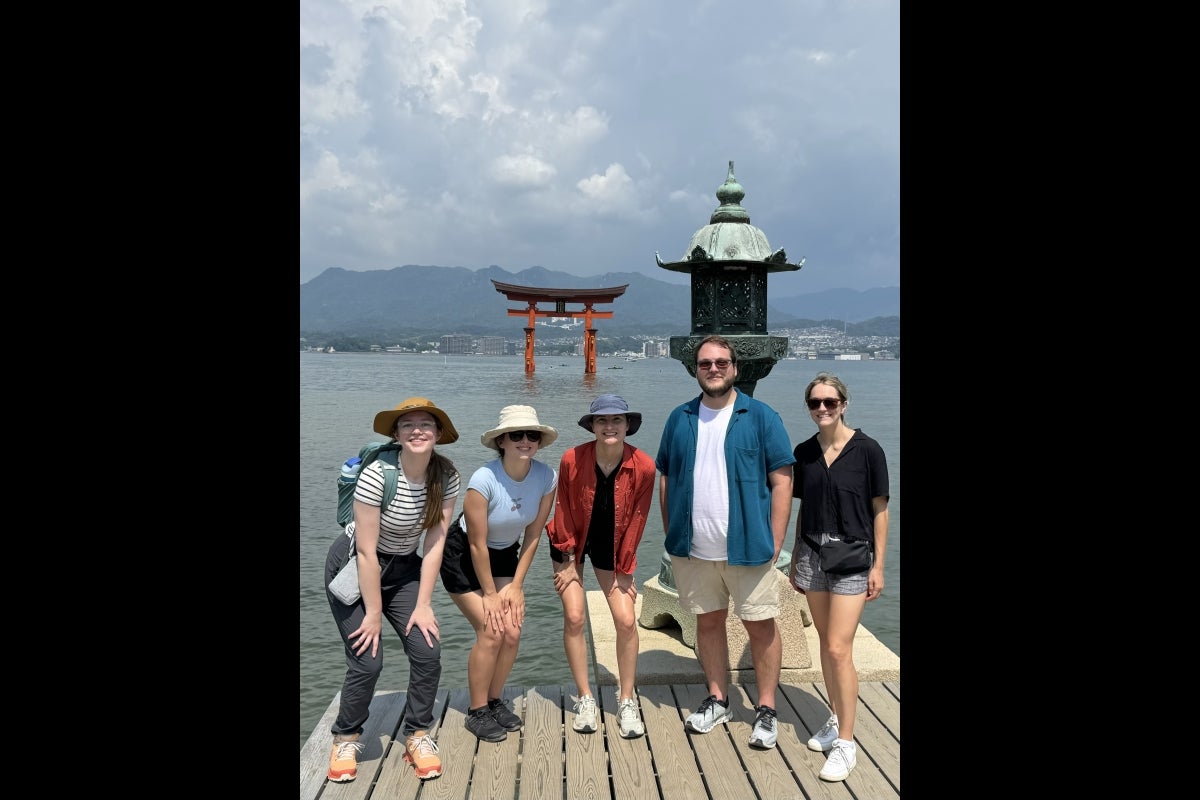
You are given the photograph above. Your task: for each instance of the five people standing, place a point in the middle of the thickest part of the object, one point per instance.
(728, 475)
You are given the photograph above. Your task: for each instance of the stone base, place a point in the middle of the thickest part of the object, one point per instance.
(660, 606)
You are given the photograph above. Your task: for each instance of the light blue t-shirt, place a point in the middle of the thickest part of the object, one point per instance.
(512, 505)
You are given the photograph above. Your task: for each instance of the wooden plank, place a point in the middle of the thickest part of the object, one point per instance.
(547, 759)
(542, 754)
(767, 769)
(377, 736)
(877, 762)
(397, 778)
(456, 746)
(496, 763)
(717, 756)
(893, 687)
(883, 705)
(586, 762)
(675, 764)
(314, 756)
(793, 740)
(628, 759)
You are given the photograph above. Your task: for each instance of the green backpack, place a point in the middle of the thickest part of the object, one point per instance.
(389, 454)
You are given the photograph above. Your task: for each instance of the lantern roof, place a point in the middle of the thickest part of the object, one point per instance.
(729, 238)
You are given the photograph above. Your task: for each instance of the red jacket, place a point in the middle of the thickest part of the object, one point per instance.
(633, 490)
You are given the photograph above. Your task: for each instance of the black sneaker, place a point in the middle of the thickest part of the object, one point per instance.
(507, 719)
(484, 725)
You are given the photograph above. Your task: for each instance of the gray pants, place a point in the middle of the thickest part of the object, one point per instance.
(400, 580)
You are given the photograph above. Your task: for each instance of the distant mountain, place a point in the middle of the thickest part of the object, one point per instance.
(441, 300)
(849, 305)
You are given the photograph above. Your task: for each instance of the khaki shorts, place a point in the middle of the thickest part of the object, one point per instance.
(707, 586)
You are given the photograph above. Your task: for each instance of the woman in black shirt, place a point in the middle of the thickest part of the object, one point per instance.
(841, 478)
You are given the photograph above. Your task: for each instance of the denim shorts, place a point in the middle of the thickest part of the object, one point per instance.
(811, 578)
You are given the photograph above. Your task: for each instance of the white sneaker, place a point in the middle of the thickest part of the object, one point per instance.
(712, 712)
(765, 731)
(822, 740)
(842, 758)
(585, 714)
(631, 724)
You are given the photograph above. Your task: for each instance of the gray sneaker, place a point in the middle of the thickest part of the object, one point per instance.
(822, 740)
(765, 730)
(843, 756)
(712, 712)
(631, 724)
(585, 714)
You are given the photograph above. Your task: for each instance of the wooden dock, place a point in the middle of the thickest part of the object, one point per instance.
(548, 759)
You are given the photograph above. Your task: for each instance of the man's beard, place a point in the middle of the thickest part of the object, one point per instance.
(719, 390)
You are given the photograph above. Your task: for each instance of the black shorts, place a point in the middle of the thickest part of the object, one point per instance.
(558, 557)
(458, 570)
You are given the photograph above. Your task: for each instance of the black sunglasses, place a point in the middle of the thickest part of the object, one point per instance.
(533, 436)
(708, 363)
(830, 402)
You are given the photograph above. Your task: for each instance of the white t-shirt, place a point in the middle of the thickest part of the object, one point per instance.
(710, 504)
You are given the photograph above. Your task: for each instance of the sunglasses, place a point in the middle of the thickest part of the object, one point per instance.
(830, 402)
(533, 436)
(720, 363)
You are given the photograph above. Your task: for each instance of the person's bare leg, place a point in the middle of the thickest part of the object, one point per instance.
(712, 650)
(766, 650)
(481, 661)
(621, 603)
(837, 659)
(574, 641)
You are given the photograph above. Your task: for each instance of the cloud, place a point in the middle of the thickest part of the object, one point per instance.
(522, 171)
(585, 137)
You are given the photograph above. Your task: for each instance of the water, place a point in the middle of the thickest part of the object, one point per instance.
(341, 393)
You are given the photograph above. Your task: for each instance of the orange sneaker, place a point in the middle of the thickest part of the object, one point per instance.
(422, 752)
(343, 759)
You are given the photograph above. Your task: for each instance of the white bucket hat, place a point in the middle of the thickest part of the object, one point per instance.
(518, 418)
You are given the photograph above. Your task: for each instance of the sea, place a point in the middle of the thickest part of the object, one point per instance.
(340, 393)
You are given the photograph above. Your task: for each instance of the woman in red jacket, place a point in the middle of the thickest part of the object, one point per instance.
(604, 492)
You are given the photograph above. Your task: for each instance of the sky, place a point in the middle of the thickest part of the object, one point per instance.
(587, 135)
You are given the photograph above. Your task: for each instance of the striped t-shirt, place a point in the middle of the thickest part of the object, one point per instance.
(400, 523)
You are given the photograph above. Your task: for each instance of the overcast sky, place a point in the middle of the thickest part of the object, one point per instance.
(584, 135)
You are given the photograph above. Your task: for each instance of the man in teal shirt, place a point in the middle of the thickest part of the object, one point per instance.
(726, 496)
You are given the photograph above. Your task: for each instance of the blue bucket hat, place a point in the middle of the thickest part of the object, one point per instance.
(607, 405)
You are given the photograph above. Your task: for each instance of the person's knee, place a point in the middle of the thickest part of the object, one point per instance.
(421, 653)
(624, 625)
(370, 668)
(841, 652)
(574, 618)
(489, 640)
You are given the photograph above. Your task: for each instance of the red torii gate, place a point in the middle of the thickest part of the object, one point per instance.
(532, 295)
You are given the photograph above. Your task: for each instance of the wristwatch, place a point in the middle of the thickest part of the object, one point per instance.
(570, 554)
